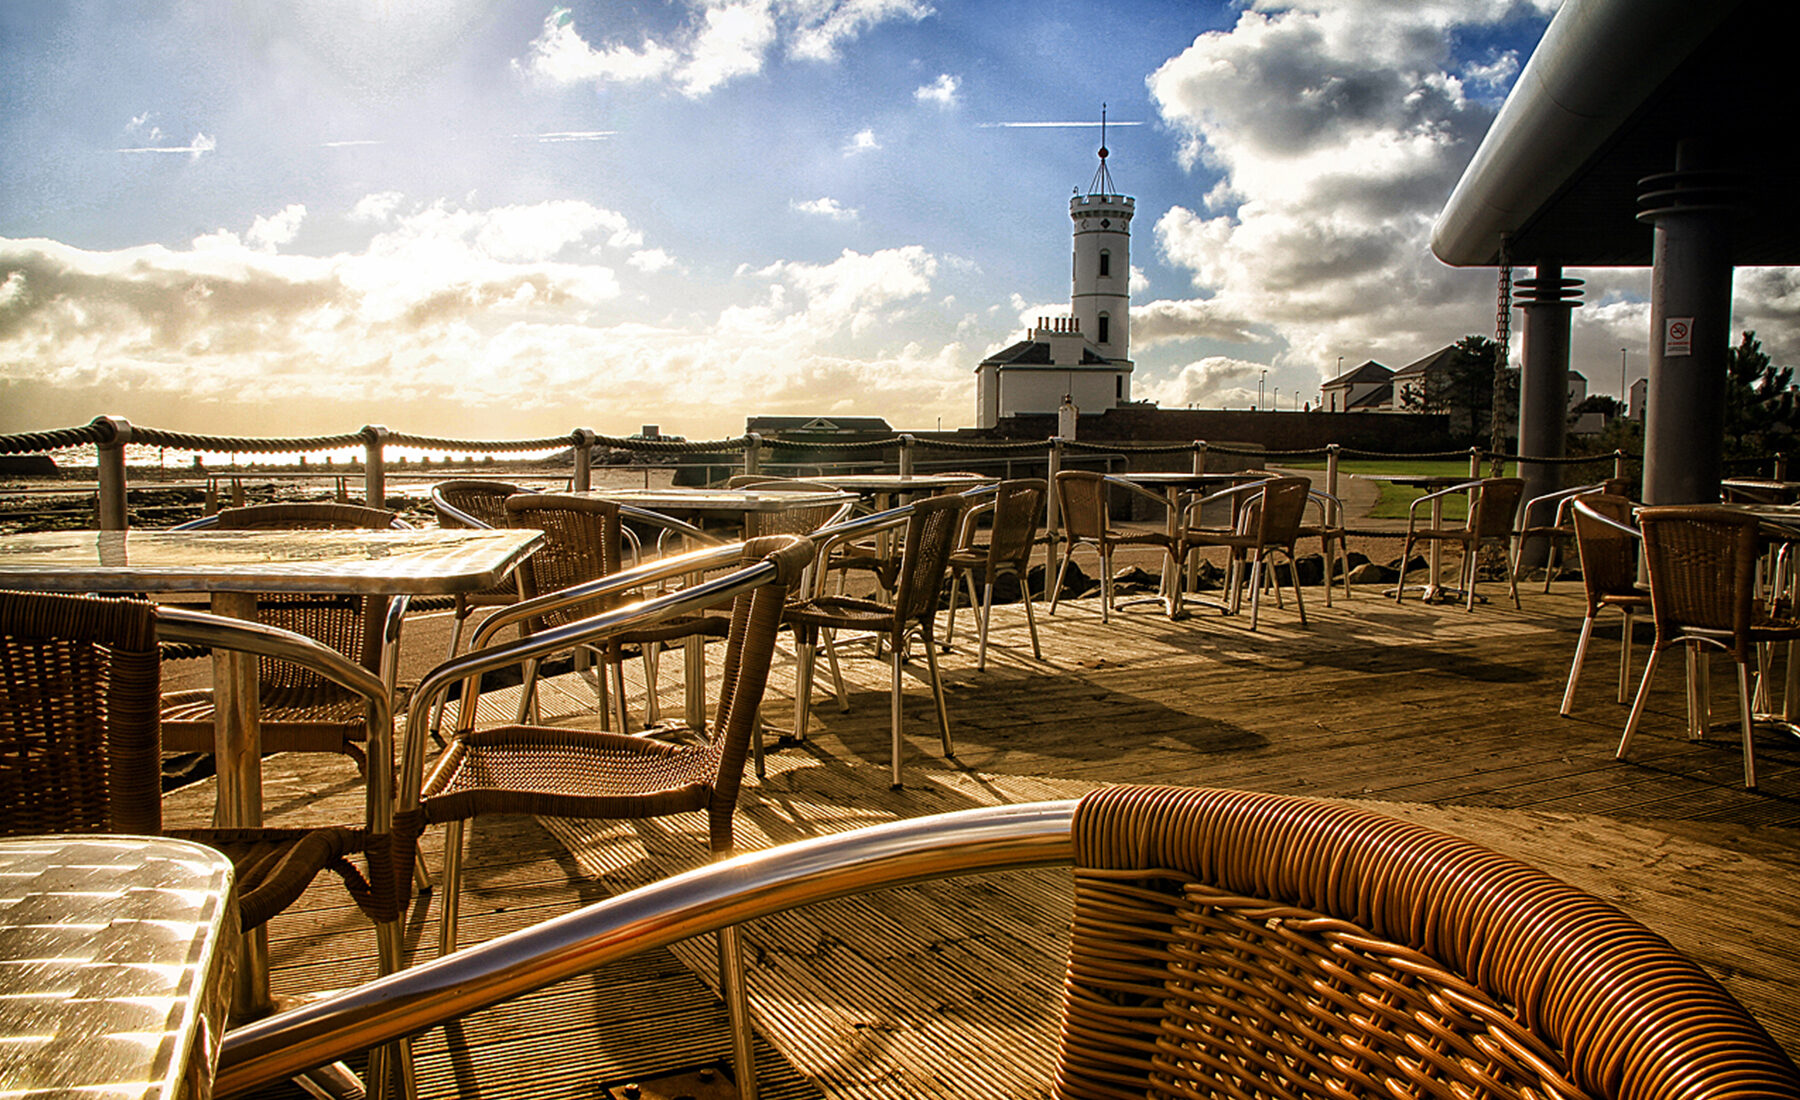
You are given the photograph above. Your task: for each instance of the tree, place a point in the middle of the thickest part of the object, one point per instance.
(1609, 407)
(1760, 403)
(1461, 385)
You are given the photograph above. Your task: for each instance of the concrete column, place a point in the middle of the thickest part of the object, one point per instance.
(375, 465)
(1548, 302)
(1690, 329)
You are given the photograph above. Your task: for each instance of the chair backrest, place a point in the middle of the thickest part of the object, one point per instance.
(1018, 510)
(1609, 556)
(1702, 564)
(79, 704)
(1280, 509)
(1496, 503)
(930, 537)
(749, 650)
(581, 543)
(349, 624)
(1081, 499)
(791, 521)
(1239, 944)
(484, 501)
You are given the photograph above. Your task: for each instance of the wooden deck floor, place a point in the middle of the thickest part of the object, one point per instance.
(1427, 712)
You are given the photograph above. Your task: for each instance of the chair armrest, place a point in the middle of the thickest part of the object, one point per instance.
(1460, 487)
(218, 632)
(483, 658)
(966, 535)
(1607, 520)
(662, 569)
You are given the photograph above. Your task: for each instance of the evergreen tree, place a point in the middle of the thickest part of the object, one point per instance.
(1760, 403)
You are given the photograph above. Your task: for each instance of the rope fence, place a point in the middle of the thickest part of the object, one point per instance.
(110, 435)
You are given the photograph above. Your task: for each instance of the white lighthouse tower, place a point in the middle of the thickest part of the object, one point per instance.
(1100, 283)
(1082, 362)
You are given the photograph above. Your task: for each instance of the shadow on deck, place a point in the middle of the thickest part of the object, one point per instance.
(1430, 713)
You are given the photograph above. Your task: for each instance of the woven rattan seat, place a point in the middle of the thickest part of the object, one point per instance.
(1085, 510)
(1272, 511)
(1231, 944)
(1017, 510)
(79, 707)
(1561, 528)
(1609, 567)
(931, 528)
(301, 710)
(1492, 504)
(1702, 564)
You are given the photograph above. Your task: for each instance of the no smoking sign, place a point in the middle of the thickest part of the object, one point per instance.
(1678, 336)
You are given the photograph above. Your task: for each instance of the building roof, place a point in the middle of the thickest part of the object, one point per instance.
(1037, 352)
(1380, 397)
(1601, 105)
(1429, 363)
(1370, 371)
(767, 424)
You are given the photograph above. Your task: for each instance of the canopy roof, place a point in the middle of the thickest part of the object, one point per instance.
(1603, 102)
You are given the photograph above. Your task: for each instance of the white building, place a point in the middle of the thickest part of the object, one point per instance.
(1086, 356)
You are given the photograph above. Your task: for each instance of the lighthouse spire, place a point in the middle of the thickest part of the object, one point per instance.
(1103, 183)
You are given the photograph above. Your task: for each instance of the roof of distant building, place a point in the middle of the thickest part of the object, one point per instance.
(1029, 352)
(767, 424)
(1378, 398)
(1436, 359)
(1370, 371)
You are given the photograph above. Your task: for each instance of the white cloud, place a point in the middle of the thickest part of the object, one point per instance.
(269, 233)
(863, 141)
(652, 260)
(197, 148)
(1210, 382)
(941, 91)
(377, 207)
(825, 208)
(1336, 130)
(726, 39)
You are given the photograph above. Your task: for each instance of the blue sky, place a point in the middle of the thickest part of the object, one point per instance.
(499, 218)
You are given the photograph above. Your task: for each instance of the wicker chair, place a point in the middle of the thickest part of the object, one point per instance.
(1333, 536)
(1702, 563)
(791, 521)
(573, 773)
(79, 709)
(1017, 510)
(1561, 527)
(472, 503)
(1236, 944)
(301, 710)
(931, 527)
(1609, 564)
(1492, 504)
(1086, 513)
(1272, 512)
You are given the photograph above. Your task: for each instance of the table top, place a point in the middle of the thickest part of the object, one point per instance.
(719, 501)
(899, 483)
(1420, 481)
(115, 957)
(1190, 479)
(392, 562)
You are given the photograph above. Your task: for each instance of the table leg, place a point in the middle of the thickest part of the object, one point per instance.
(237, 754)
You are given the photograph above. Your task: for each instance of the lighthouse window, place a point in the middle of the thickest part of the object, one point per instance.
(1105, 264)
(1105, 328)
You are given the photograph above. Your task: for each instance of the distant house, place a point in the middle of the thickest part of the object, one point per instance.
(1055, 362)
(1412, 382)
(818, 425)
(1367, 388)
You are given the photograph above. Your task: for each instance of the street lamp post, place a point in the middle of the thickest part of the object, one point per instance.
(1260, 379)
(1623, 400)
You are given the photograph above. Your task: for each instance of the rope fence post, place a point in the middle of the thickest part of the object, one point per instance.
(753, 453)
(1474, 463)
(1199, 456)
(375, 465)
(583, 479)
(1052, 514)
(1619, 464)
(906, 455)
(1333, 506)
(1781, 466)
(110, 500)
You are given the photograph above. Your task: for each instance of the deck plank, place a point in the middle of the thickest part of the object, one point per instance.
(1431, 713)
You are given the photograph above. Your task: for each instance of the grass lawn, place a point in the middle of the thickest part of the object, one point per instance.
(1396, 500)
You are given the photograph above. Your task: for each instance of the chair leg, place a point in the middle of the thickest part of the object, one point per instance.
(1106, 585)
(1637, 706)
(986, 610)
(937, 693)
(957, 576)
(1581, 644)
(1255, 587)
(1744, 725)
(837, 673)
(1406, 546)
(1512, 582)
(737, 1007)
(1056, 588)
(452, 892)
(896, 749)
(1294, 579)
(1037, 653)
(1625, 656)
(803, 677)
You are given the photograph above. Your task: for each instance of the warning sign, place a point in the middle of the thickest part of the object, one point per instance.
(1678, 337)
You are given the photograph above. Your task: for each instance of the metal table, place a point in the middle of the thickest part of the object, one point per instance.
(1177, 485)
(739, 505)
(115, 961)
(1431, 590)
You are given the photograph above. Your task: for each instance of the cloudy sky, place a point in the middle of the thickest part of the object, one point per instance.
(502, 218)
